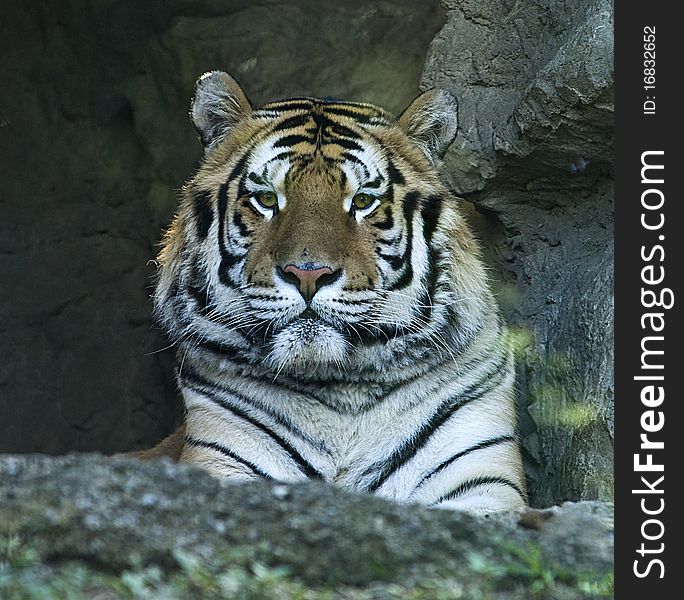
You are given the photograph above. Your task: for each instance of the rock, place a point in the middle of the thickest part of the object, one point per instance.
(88, 525)
(534, 155)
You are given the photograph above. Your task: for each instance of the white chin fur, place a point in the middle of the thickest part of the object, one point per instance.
(305, 344)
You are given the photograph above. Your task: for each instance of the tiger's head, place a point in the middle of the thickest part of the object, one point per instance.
(316, 236)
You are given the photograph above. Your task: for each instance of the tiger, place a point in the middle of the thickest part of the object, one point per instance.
(330, 308)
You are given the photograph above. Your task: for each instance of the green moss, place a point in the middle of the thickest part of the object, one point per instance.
(528, 567)
(515, 573)
(520, 339)
(80, 530)
(555, 411)
(75, 581)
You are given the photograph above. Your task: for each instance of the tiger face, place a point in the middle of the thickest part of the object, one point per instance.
(316, 237)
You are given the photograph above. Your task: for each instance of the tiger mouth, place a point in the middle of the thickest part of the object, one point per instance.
(309, 313)
(307, 323)
(306, 343)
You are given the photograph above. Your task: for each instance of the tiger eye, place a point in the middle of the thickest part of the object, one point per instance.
(362, 201)
(267, 199)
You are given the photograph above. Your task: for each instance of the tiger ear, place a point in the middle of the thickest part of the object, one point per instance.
(431, 120)
(218, 105)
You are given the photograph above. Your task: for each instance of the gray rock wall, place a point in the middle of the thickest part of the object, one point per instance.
(535, 82)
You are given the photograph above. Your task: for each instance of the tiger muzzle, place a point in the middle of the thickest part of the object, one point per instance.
(308, 278)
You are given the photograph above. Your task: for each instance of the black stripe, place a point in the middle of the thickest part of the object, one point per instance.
(291, 140)
(328, 160)
(432, 208)
(393, 388)
(225, 451)
(179, 305)
(204, 213)
(240, 224)
(192, 377)
(396, 262)
(200, 295)
(287, 105)
(410, 203)
(477, 482)
(360, 117)
(426, 300)
(238, 168)
(388, 223)
(339, 129)
(426, 305)
(344, 142)
(235, 172)
(445, 411)
(350, 302)
(256, 178)
(282, 155)
(228, 259)
(320, 121)
(292, 122)
(375, 183)
(307, 468)
(378, 333)
(395, 176)
(242, 190)
(298, 162)
(256, 332)
(342, 180)
(480, 446)
(223, 350)
(256, 295)
(357, 161)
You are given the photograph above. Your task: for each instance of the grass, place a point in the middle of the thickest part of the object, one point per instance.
(529, 568)
(514, 573)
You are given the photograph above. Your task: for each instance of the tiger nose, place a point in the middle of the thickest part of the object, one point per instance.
(309, 278)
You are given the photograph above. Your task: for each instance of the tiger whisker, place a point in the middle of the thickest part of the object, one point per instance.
(171, 345)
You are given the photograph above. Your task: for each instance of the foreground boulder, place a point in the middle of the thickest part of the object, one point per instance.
(85, 526)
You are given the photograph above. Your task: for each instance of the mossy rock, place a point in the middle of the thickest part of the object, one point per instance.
(86, 526)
